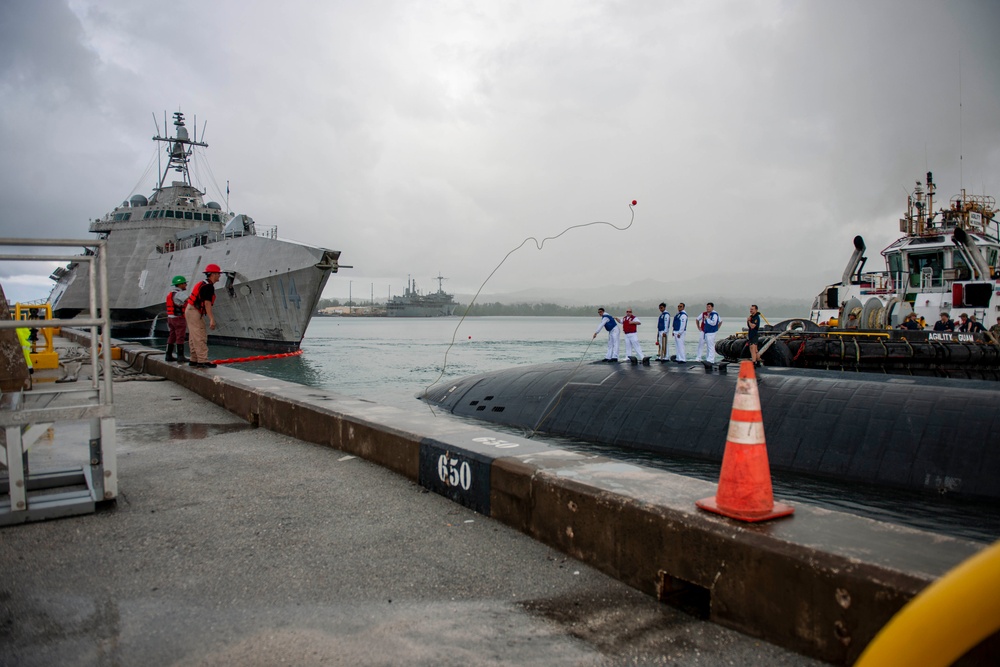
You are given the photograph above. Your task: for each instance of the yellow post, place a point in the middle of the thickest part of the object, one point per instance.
(947, 619)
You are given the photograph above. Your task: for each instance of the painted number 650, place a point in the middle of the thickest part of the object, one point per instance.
(454, 472)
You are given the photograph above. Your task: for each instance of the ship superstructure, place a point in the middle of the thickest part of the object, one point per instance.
(946, 261)
(270, 287)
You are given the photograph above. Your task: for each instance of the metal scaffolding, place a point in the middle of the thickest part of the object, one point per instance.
(30, 495)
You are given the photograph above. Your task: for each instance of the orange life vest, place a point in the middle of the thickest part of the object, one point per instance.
(194, 299)
(172, 309)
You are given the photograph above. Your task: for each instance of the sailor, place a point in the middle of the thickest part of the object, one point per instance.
(910, 323)
(609, 324)
(662, 335)
(708, 324)
(629, 323)
(753, 334)
(199, 304)
(970, 325)
(945, 323)
(176, 323)
(680, 325)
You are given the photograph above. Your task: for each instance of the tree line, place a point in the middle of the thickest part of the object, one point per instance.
(647, 308)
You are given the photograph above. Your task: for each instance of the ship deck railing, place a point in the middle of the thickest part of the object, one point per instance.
(203, 239)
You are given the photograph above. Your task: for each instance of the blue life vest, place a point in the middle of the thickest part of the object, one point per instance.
(661, 324)
(677, 321)
(707, 326)
(609, 322)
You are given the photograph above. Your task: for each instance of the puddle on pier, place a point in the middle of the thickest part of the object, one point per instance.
(179, 431)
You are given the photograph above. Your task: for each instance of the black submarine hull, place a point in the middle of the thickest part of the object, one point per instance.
(917, 433)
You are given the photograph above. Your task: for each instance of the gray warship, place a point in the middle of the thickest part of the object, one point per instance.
(270, 287)
(414, 304)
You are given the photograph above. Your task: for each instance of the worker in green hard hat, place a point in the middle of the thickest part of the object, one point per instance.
(176, 323)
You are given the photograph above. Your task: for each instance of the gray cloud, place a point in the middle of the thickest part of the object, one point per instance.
(758, 137)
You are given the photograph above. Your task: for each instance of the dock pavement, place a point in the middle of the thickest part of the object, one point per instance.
(235, 545)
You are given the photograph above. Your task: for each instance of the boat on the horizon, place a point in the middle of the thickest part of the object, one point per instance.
(270, 287)
(414, 304)
(946, 261)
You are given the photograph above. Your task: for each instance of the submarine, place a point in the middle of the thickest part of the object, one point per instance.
(926, 434)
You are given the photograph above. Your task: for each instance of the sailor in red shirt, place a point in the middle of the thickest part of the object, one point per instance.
(629, 324)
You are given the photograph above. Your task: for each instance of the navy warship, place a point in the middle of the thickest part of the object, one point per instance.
(270, 287)
(414, 304)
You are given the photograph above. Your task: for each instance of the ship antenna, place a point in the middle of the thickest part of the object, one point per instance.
(961, 147)
(155, 124)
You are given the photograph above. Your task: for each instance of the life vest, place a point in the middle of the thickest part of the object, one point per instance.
(609, 322)
(711, 322)
(172, 309)
(194, 299)
(680, 322)
(23, 336)
(628, 324)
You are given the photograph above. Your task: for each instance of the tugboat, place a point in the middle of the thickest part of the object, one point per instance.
(946, 262)
(414, 304)
(270, 287)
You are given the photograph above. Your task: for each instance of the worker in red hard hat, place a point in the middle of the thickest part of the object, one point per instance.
(199, 304)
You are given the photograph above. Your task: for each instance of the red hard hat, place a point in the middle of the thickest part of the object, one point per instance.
(213, 268)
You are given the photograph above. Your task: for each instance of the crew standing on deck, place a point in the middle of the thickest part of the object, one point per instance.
(753, 333)
(200, 304)
(679, 330)
(609, 324)
(629, 324)
(662, 333)
(176, 323)
(708, 324)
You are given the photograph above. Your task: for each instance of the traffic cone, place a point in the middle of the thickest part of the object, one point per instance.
(745, 481)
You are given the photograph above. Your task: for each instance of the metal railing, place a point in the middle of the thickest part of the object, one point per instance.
(24, 414)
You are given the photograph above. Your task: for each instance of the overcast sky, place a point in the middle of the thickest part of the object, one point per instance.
(757, 136)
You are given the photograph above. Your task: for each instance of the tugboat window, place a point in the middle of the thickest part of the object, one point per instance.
(188, 216)
(170, 214)
(933, 261)
(197, 216)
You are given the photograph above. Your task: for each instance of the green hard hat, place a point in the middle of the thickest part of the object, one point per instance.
(179, 280)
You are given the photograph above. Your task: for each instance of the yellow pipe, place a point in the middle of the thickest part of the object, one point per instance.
(945, 620)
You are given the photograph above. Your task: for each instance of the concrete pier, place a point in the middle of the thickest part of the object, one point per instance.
(248, 540)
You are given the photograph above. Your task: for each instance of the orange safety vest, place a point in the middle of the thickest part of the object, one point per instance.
(171, 308)
(198, 303)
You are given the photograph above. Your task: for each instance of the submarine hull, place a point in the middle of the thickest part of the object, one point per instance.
(915, 433)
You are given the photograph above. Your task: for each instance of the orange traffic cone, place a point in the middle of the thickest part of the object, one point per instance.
(745, 481)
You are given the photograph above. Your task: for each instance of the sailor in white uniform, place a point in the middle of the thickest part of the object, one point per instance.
(609, 324)
(662, 333)
(629, 323)
(679, 329)
(708, 323)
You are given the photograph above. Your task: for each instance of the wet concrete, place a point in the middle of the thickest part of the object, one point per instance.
(240, 546)
(821, 583)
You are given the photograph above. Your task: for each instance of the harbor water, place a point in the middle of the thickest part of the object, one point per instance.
(392, 360)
